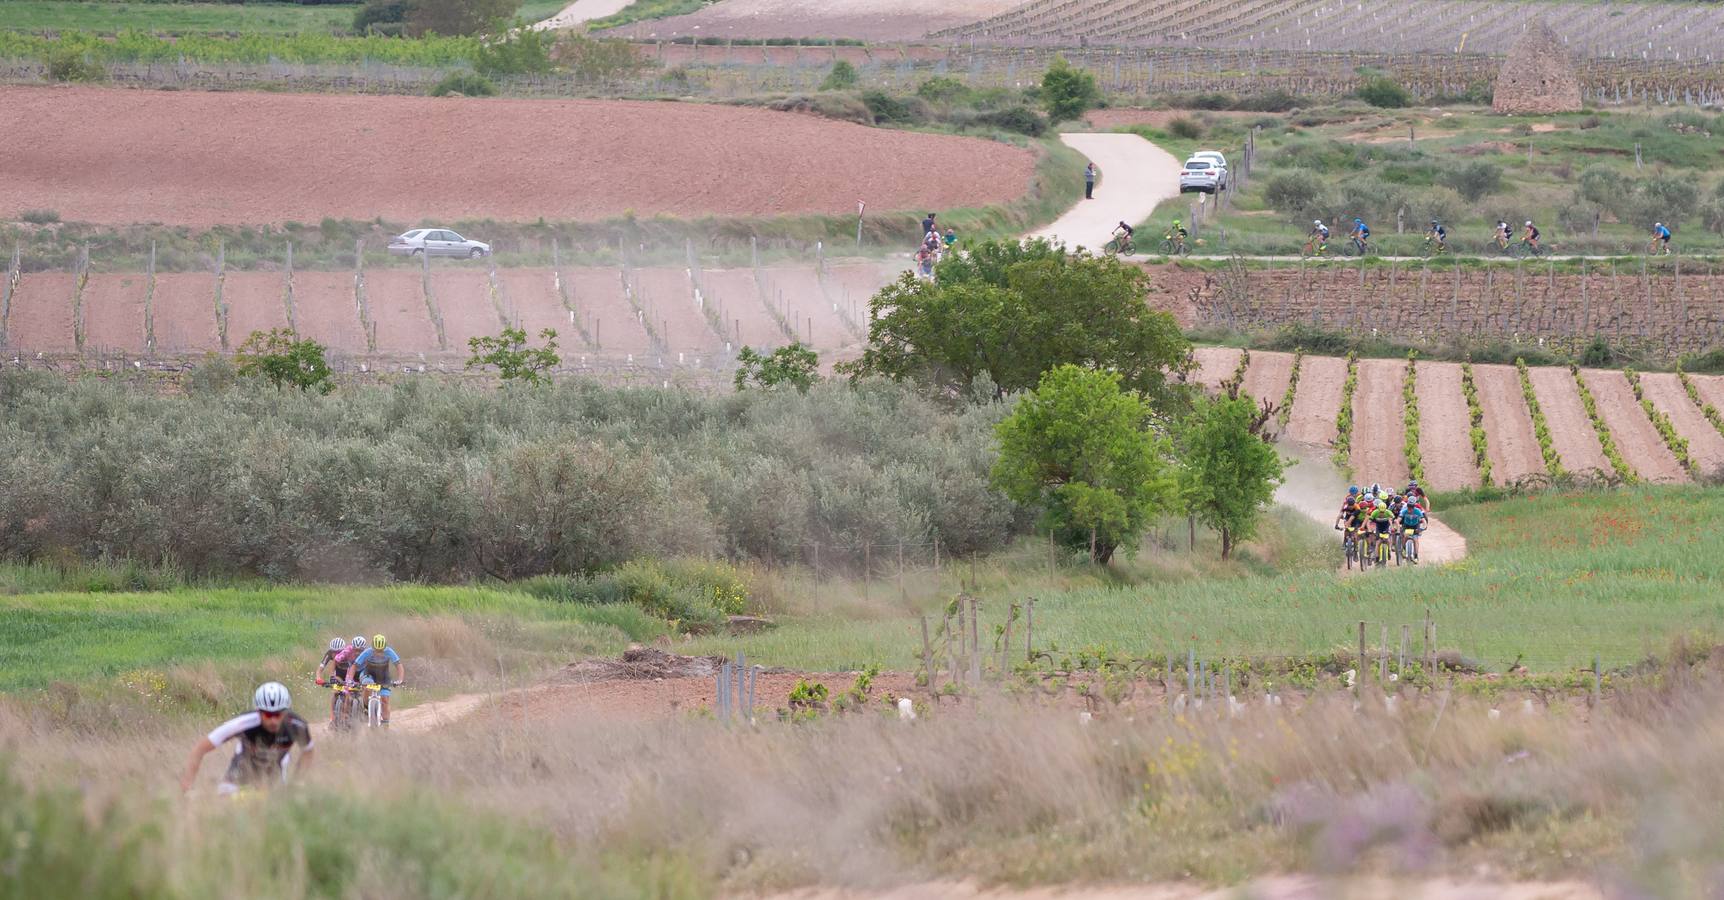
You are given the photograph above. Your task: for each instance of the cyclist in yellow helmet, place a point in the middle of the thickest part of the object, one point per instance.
(372, 667)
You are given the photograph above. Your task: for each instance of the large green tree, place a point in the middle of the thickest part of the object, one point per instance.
(1228, 470)
(1013, 311)
(1080, 448)
(458, 16)
(1067, 92)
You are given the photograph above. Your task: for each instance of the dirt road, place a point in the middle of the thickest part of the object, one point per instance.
(1285, 887)
(1135, 176)
(581, 12)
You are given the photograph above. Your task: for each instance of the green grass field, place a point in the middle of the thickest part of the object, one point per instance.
(198, 18)
(1361, 163)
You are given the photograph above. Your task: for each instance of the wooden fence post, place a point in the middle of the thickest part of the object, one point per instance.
(150, 303)
(1363, 667)
(220, 301)
(928, 657)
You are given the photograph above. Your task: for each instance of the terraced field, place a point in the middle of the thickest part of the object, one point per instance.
(1513, 446)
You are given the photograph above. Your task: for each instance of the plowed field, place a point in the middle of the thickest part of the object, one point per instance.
(1570, 430)
(599, 300)
(323, 305)
(1267, 376)
(114, 312)
(397, 302)
(1317, 400)
(1509, 438)
(1636, 439)
(1445, 446)
(735, 296)
(1705, 444)
(1214, 365)
(41, 317)
(1378, 433)
(185, 312)
(531, 302)
(868, 20)
(255, 303)
(205, 158)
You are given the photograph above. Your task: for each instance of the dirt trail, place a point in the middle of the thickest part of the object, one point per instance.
(1570, 430)
(1705, 444)
(1135, 176)
(1317, 401)
(1636, 439)
(1314, 487)
(1511, 443)
(1445, 444)
(581, 12)
(1278, 887)
(1379, 436)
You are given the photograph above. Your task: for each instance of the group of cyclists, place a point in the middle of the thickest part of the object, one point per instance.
(272, 735)
(1172, 243)
(935, 244)
(1379, 525)
(1437, 239)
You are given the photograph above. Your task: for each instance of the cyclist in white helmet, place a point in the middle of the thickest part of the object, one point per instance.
(266, 736)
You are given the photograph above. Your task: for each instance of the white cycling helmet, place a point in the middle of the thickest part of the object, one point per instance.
(272, 697)
(1657, 224)
(1529, 221)
(336, 645)
(1316, 221)
(360, 643)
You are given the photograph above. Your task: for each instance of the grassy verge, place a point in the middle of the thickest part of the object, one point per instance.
(178, 18)
(641, 10)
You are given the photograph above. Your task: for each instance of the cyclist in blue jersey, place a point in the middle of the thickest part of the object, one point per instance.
(1413, 523)
(1661, 237)
(1360, 234)
(372, 667)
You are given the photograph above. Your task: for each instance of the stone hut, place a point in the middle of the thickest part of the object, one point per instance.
(1537, 77)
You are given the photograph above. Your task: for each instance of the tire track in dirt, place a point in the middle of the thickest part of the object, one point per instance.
(1214, 365)
(1636, 438)
(1570, 430)
(1445, 444)
(1705, 444)
(1266, 378)
(1318, 401)
(1510, 440)
(41, 317)
(1378, 433)
(114, 312)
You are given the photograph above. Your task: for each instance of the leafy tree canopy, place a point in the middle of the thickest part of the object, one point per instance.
(1067, 92)
(796, 366)
(1080, 448)
(1227, 471)
(283, 360)
(1013, 311)
(515, 361)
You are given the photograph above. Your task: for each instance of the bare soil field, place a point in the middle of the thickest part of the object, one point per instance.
(396, 299)
(1378, 433)
(1288, 887)
(1445, 445)
(41, 317)
(324, 307)
(736, 297)
(1509, 438)
(1267, 376)
(1639, 442)
(802, 301)
(868, 20)
(464, 300)
(114, 312)
(531, 302)
(1215, 365)
(1317, 401)
(184, 305)
(667, 297)
(852, 285)
(254, 303)
(1570, 430)
(599, 301)
(205, 158)
(1705, 444)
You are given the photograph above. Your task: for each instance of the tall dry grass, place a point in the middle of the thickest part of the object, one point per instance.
(558, 805)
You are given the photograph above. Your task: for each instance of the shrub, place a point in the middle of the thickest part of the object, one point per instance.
(597, 59)
(1067, 93)
(39, 216)
(450, 17)
(283, 360)
(943, 89)
(522, 51)
(73, 63)
(1384, 92)
(1185, 127)
(892, 110)
(841, 78)
(380, 17)
(795, 366)
(515, 361)
(1296, 194)
(842, 107)
(467, 84)
(647, 585)
(1274, 101)
(1474, 180)
(1018, 119)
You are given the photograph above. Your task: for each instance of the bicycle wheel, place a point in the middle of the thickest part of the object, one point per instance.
(1167, 247)
(1111, 248)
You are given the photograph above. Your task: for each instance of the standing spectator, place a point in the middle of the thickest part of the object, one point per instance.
(1089, 173)
(927, 224)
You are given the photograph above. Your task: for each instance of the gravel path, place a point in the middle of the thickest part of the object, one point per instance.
(1135, 176)
(1636, 439)
(1511, 443)
(1570, 430)
(1444, 441)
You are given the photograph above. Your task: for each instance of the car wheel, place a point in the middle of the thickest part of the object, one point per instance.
(476, 253)
(417, 252)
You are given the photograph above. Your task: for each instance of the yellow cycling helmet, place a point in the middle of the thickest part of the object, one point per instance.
(378, 643)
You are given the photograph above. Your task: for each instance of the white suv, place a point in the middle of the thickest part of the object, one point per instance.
(1205, 171)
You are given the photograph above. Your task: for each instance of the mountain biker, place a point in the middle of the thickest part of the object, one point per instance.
(928, 224)
(1382, 519)
(951, 237)
(1124, 233)
(1347, 507)
(267, 737)
(1439, 234)
(1503, 236)
(1319, 235)
(1416, 494)
(338, 658)
(1531, 235)
(1413, 523)
(1661, 234)
(1361, 233)
(1177, 233)
(372, 667)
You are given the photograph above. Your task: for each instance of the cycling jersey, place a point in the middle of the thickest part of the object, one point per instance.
(1129, 231)
(1411, 516)
(375, 665)
(1663, 233)
(260, 754)
(1440, 231)
(1381, 518)
(342, 660)
(1323, 230)
(1532, 234)
(1364, 232)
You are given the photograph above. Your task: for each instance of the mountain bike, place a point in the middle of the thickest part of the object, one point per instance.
(1385, 546)
(1173, 245)
(343, 705)
(1119, 244)
(1314, 249)
(1350, 548)
(1434, 247)
(1410, 546)
(1657, 247)
(373, 705)
(1356, 247)
(1525, 248)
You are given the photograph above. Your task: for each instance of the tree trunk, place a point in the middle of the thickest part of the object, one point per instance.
(1190, 533)
(1226, 543)
(1101, 551)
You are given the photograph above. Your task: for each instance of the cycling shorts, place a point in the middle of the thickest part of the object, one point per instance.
(365, 678)
(1382, 526)
(246, 771)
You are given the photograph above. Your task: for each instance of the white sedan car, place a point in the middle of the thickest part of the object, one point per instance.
(436, 242)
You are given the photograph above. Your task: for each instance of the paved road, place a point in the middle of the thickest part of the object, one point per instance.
(1135, 176)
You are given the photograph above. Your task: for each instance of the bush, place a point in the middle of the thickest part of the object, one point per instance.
(1298, 195)
(522, 51)
(943, 89)
(597, 59)
(1384, 92)
(381, 17)
(1274, 101)
(458, 17)
(890, 110)
(1067, 93)
(72, 63)
(841, 78)
(1474, 180)
(282, 359)
(39, 216)
(467, 84)
(842, 107)
(1019, 119)
(1185, 127)
(647, 585)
